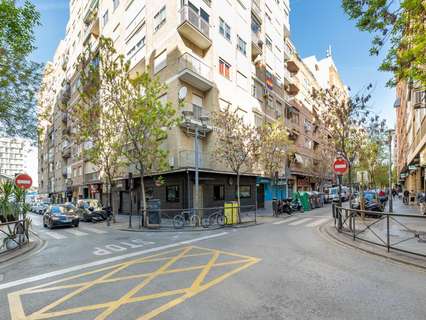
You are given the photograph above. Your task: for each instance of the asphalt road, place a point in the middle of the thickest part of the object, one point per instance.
(284, 268)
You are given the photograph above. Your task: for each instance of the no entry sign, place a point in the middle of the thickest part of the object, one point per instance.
(23, 181)
(340, 166)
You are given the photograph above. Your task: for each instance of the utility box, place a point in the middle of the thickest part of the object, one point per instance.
(231, 212)
(153, 213)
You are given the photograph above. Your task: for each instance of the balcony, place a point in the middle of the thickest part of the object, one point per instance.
(91, 20)
(196, 117)
(419, 99)
(194, 28)
(292, 67)
(255, 9)
(66, 94)
(195, 72)
(93, 177)
(256, 44)
(66, 150)
(291, 86)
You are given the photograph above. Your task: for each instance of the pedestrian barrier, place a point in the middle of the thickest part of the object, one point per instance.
(201, 218)
(399, 232)
(12, 235)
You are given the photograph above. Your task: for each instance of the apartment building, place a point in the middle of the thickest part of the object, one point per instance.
(12, 155)
(410, 107)
(210, 55)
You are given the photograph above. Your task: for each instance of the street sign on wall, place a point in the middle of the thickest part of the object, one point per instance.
(23, 181)
(340, 166)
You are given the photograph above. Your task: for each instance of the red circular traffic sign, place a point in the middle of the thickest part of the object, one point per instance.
(23, 181)
(340, 166)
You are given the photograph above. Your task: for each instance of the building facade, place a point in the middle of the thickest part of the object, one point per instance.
(211, 55)
(410, 107)
(12, 155)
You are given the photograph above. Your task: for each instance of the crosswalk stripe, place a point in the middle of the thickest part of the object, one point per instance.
(317, 223)
(54, 235)
(300, 221)
(286, 220)
(94, 230)
(76, 232)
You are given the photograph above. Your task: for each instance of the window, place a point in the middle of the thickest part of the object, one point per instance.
(241, 45)
(268, 42)
(135, 49)
(224, 29)
(245, 192)
(105, 18)
(160, 62)
(241, 80)
(160, 18)
(172, 193)
(218, 192)
(224, 68)
(115, 3)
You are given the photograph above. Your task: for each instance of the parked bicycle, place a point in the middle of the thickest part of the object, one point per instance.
(187, 217)
(218, 218)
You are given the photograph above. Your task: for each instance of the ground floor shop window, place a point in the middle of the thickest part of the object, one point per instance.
(172, 193)
(219, 192)
(245, 192)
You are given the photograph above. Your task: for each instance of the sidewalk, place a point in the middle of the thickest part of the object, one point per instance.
(35, 242)
(400, 208)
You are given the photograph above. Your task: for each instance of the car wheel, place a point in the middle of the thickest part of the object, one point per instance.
(76, 225)
(44, 224)
(50, 225)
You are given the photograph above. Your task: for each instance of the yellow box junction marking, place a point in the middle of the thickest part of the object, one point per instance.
(167, 258)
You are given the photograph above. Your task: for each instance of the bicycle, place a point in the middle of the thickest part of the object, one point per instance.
(194, 220)
(218, 217)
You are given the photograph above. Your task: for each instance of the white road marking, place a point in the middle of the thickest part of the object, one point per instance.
(104, 261)
(76, 232)
(286, 220)
(300, 221)
(317, 223)
(94, 230)
(54, 235)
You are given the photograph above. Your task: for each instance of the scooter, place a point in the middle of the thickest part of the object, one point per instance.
(296, 205)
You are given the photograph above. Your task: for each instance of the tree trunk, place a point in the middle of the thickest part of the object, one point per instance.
(238, 196)
(114, 218)
(143, 198)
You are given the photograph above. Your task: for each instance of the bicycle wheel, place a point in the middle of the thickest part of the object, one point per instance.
(213, 219)
(194, 221)
(178, 222)
(205, 222)
(221, 220)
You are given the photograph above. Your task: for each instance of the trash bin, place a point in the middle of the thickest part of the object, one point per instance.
(153, 213)
(305, 200)
(231, 212)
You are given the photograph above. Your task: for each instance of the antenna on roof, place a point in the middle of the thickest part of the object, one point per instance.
(329, 52)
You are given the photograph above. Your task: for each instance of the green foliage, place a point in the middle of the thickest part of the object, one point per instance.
(399, 25)
(19, 77)
(11, 202)
(274, 147)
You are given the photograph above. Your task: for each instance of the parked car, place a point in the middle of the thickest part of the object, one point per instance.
(39, 208)
(90, 210)
(372, 203)
(60, 215)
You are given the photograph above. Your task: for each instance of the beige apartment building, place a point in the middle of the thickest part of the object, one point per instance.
(211, 54)
(410, 107)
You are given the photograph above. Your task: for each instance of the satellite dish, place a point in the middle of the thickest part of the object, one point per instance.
(182, 93)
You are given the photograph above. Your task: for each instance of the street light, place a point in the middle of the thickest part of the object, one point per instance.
(204, 119)
(390, 133)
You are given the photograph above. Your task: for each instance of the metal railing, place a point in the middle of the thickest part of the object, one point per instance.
(188, 61)
(400, 232)
(192, 218)
(13, 235)
(190, 15)
(256, 8)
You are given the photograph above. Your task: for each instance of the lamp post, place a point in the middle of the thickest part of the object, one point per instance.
(390, 133)
(204, 119)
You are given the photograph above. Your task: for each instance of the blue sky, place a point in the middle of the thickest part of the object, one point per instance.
(315, 24)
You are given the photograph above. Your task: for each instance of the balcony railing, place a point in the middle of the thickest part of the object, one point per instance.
(92, 177)
(189, 14)
(419, 99)
(195, 72)
(255, 6)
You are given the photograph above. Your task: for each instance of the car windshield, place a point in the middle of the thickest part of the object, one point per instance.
(61, 210)
(369, 196)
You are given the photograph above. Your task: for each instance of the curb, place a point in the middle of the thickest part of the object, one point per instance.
(352, 244)
(24, 251)
(243, 225)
